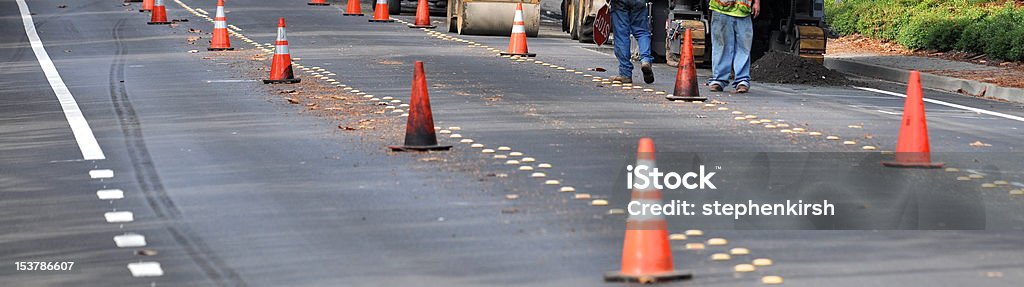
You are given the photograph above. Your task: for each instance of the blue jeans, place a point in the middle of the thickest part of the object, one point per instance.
(731, 38)
(630, 17)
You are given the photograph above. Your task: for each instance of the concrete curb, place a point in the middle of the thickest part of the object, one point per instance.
(930, 81)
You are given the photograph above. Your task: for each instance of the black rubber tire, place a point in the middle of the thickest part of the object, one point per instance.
(586, 30)
(394, 7)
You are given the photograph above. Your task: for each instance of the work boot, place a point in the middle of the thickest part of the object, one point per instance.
(715, 87)
(742, 89)
(622, 79)
(648, 72)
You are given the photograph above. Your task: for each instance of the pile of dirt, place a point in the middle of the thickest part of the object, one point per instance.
(785, 68)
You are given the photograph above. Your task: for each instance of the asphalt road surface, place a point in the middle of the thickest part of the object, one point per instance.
(235, 183)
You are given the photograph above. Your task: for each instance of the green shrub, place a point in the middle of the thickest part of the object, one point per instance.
(967, 25)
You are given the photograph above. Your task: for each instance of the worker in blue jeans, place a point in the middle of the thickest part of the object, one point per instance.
(732, 34)
(630, 17)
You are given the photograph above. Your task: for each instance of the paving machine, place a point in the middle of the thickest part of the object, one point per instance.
(790, 26)
(491, 17)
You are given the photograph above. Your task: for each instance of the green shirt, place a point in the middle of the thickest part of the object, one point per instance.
(737, 8)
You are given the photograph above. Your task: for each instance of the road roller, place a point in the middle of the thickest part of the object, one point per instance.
(491, 17)
(789, 26)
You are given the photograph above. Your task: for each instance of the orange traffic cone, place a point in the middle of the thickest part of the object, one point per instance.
(318, 3)
(221, 41)
(281, 68)
(353, 9)
(912, 148)
(646, 255)
(380, 12)
(422, 16)
(686, 76)
(147, 5)
(517, 43)
(419, 128)
(159, 16)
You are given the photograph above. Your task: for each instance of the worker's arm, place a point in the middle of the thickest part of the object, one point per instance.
(756, 8)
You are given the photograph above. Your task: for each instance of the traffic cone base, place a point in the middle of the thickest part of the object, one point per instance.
(914, 164)
(353, 14)
(318, 4)
(424, 26)
(158, 23)
(617, 276)
(521, 55)
(285, 81)
(418, 148)
(686, 76)
(220, 49)
(382, 21)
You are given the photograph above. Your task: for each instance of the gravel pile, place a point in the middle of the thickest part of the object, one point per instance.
(785, 68)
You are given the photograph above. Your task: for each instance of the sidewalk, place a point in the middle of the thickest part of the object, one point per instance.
(874, 60)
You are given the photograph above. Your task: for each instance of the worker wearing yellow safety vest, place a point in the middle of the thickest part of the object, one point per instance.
(732, 34)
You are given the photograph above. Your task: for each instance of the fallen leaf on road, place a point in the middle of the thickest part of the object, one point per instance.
(598, 69)
(293, 101)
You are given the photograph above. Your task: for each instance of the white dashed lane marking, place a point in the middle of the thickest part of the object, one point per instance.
(952, 105)
(110, 194)
(101, 173)
(146, 269)
(119, 216)
(130, 240)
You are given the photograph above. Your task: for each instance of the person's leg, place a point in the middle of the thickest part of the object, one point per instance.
(721, 48)
(743, 42)
(620, 23)
(641, 30)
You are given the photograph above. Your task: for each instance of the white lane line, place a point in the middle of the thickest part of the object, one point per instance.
(119, 216)
(110, 194)
(101, 173)
(889, 113)
(79, 126)
(146, 269)
(130, 240)
(952, 105)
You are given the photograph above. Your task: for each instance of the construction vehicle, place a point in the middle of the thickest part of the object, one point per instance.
(789, 26)
(491, 17)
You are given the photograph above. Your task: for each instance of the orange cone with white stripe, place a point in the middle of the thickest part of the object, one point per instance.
(517, 43)
(912, 147)
(221, 41)
(353, 9)
(380, 12)
(422, 16)
(281, 67)
(646, 255)
(318, 3)
(147, 5)
(159, 16)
